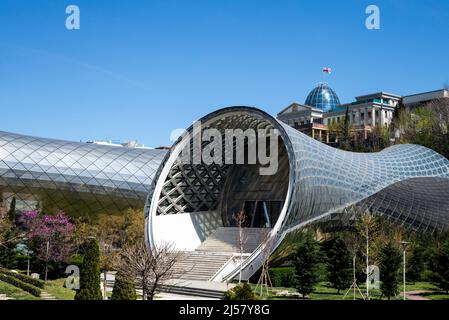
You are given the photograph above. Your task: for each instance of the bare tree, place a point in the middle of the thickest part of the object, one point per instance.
(267, 246)
(240, 219)
(353, 243)
(367, 227)
(151, 267)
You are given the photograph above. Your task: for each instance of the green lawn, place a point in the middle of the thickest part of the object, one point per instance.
(323, 291)
(56, 288)
(16, 293)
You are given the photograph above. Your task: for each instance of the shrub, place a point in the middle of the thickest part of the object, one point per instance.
(34, 282)
(282, 277)
(35, 291)
(124, 289)
(90, 273)
(240, 292)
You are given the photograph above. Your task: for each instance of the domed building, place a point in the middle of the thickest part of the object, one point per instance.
(322, 107)
(322, 97)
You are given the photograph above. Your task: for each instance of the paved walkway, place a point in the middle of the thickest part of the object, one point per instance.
(46, 296)
(415, 295)
(5, 297)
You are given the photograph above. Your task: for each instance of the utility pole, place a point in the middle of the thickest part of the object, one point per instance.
(46, 260)
(367, 262)
(28, 262)
(404, 245)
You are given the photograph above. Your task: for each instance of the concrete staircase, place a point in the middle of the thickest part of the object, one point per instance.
(46, 296)
(226, 239)
(196, 265)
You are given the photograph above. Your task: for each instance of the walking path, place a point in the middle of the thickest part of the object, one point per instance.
(46, 296)
(415, 295)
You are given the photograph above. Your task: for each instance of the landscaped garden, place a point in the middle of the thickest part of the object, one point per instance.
(313, 264)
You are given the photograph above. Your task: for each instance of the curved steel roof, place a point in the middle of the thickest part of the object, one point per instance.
(325, 181)
(79, 178)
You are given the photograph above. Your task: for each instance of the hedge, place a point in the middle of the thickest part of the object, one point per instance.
(20, 284)
(27, 279)
(282, 277)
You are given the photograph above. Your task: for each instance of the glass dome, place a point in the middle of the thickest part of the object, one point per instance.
(323, 97)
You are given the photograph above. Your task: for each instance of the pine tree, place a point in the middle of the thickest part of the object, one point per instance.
(390, 264)
(440, 267)
(416, 264)
(90, 273)
(339, 265)
(124, 289)
(306, 263)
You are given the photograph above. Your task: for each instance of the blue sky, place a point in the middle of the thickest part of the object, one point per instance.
(139, 69)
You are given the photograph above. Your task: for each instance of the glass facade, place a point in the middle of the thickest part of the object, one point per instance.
(323, 97)
(406, 183)
(79, 178)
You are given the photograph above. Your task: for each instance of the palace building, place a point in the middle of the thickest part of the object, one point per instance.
(322, 107)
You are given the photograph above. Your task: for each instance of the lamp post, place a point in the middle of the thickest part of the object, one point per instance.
(46, 259)
(404, 245)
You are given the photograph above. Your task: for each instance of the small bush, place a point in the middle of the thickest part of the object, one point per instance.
(34, 282)
(282, 277)
(240, 292)
(35, 291)
(124, 289)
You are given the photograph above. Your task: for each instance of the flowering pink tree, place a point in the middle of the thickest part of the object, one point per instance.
(51, 235)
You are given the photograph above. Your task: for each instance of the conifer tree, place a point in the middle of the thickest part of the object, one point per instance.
(390, 265)
(306, 263)
(90, 273)
(339, 265)
(124, 288)
(440, 267)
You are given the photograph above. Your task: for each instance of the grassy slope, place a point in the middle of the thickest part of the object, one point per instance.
(16, 293)
(56, 288)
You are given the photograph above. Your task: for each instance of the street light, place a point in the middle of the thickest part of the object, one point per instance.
(404, 245)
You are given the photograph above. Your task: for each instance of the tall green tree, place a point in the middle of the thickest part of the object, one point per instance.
(90, 273)
(416, 264)
(440, 267)
(345, 132)
(124, 288)
(339, 264)
(390, 265)
(306, 262)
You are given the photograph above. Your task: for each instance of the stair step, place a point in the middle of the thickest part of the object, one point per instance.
(226, 239)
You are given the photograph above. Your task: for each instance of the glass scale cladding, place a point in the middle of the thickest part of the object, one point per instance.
(78, 178)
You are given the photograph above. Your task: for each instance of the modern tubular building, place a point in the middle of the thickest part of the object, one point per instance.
(78, 178)
(194, 205)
